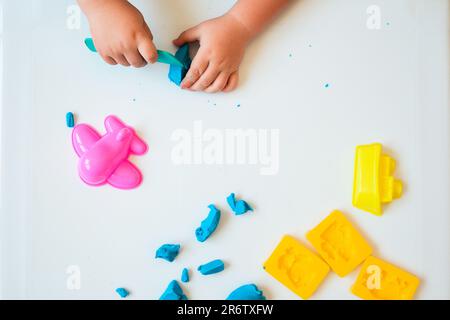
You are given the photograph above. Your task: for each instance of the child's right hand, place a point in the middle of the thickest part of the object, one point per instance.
(120, 32)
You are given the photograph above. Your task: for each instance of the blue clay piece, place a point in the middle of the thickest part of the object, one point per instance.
(90, 44)
(209, 225)
(212, 267)
(168, 252)
(70, 121)
(173, 292)
(247, 292)
(238, 207)
(168, 58)
(177, 73)
(122, 292)
(185, 275)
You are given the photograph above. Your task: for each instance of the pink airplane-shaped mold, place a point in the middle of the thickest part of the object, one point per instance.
(104, 159)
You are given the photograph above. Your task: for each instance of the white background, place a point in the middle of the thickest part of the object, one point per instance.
(388, 85)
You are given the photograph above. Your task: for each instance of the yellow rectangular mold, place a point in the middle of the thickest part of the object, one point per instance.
(374, 183)
(379, 280)
(339, 243)
(296, 267)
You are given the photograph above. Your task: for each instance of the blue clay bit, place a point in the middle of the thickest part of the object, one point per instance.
(70, 121)
(238, 207)
(209, 225)
(177, 73)
(90, 44)
(168, 58)
(247, 292)
(122, 292)
(212, 267)
(173, 292)
(168, 252)
(185, 275)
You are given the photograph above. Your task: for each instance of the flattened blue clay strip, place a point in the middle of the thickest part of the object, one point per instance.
(209, 225)
(173, 292)
(177, 73)
(185, 275)
(238, 207)
(247, 292)
(70, 121)
(168, 252)
(122, 292)
(163, 56)
(212, 267)
(168, 58)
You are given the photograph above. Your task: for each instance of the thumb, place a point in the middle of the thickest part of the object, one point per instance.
(190, 35)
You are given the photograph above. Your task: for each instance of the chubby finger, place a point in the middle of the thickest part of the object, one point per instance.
(135, 59)
(120, 58)
(109, 60)
(190, 35)
(206, 79)
(218, 84)
(232, 82)
(147, 49)
(198, 67)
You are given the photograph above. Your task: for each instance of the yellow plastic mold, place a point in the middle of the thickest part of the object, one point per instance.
(296, 267)
(339, 243)
(374, 183)
(379, 280)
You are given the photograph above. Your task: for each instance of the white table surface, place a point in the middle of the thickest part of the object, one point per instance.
(388, 85)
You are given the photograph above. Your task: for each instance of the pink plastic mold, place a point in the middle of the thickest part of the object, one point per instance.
(104, 159)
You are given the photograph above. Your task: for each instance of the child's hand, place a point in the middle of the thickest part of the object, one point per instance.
(222, 46)
(119, 32)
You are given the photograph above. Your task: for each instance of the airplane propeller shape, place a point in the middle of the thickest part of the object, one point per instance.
(104, 159)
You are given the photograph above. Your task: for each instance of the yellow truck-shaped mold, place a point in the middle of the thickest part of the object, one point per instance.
(374, 183)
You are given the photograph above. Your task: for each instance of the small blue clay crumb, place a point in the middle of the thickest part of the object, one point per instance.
(247, 292)
(209, 225)
(238, 105)
(185, 275)
(290, 55)
(177, 73)
(327, 85)
(173, 292)
(388, 23)
(212, 267)
(70, 121)
(122, 292)
(168, 252)
(238, 207)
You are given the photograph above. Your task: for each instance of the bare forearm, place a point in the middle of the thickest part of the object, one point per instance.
(254, 15)
(88, 5)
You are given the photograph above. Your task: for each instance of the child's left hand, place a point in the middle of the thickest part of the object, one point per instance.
(222, 46)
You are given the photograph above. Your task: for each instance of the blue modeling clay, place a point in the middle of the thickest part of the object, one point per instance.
(185, 275)
(208, 225)
(168, 252)
(212, 267)
(70, 120)
(122, 292)
(247, 292)
(173, 292)
(163, 56)
(177, 73)
(238, 207)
